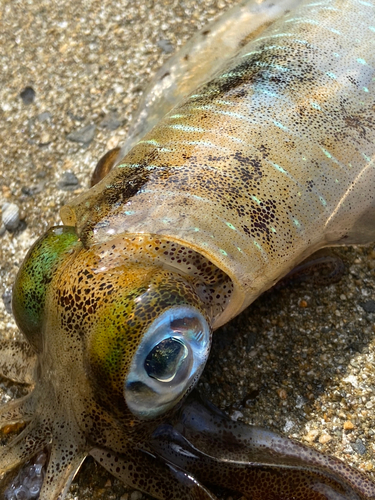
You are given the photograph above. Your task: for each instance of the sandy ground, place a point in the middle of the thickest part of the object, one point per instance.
(301, 359)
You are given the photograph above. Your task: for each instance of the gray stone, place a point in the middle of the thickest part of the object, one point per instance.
(83, 135)
(28, 95)
(111, 121)
(166, 46)
(359, 447)
(368, 306)
(68, 181)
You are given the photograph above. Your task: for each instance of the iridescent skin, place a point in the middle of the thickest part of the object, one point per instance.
(255, 170)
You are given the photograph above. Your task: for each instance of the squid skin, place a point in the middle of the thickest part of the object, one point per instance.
(269, 159)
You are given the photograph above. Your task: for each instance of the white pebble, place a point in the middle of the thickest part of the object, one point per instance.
(11, 216)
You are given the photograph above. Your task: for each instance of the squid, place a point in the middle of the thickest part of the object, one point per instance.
(252, 149)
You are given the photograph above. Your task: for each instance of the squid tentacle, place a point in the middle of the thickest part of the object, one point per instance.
(60, 474)
(18, 411)
(206, 443)
(34, 438)
(147, 473)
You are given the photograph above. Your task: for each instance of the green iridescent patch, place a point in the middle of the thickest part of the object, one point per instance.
(35, 275)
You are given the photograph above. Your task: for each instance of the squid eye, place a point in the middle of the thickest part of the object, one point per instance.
(165, 359)
(168, 362)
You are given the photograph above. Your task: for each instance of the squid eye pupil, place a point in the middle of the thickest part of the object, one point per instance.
(164, 360)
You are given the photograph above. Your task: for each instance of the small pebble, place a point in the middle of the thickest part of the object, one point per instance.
(236, 415)
(312, 435)
(289, 424)
(27, 95)
(45, 139)
(45, 116)
(368, 306)
(31, 190)
(84, 135)
(282, 393)
(111, 122)
(348, 425)
(68, 181)
(113, 142)
(10, 216)
(303, 303)
(325, 438)
(359, 447)
(166, 46)
(119, 89)
(6, 191)
(136, 495)
(7, 299)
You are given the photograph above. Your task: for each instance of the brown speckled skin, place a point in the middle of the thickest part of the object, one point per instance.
(261, 166)
(258, 168)
(91, 322)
